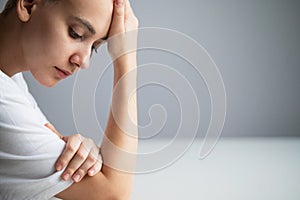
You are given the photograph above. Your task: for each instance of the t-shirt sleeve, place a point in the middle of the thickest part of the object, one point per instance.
(19, 80)
(41, 115)
(28, 152)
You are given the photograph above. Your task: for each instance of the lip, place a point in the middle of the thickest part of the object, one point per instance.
(62, 73)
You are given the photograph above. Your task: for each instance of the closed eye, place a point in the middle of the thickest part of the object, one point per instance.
(74, 35)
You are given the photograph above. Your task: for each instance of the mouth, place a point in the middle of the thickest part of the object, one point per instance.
(62, 73)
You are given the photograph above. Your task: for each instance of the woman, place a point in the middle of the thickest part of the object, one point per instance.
(53, 39)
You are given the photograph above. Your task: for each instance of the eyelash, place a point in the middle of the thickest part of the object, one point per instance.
(75, 35)
(94, 49)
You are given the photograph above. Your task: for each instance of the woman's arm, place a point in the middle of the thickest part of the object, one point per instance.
(120, 136)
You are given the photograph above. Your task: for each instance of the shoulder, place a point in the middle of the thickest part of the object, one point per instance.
(28, 150)
(10, 88)
(16, 103)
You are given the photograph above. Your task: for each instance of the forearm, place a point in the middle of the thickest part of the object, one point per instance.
(119, 145)
(122, 122)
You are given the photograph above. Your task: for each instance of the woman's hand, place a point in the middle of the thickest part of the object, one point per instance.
(81, 156)
(123, 29)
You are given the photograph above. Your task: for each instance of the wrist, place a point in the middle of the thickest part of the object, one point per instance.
(125, 63)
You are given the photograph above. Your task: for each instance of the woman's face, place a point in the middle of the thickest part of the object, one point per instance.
(60, 37)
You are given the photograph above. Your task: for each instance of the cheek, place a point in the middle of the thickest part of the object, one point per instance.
(44, 45)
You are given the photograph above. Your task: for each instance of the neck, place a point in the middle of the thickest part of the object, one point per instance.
(11, 56)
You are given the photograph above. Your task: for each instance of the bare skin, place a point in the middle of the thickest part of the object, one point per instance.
(53, 41)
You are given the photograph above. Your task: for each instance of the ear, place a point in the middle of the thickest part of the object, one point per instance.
(25, 8)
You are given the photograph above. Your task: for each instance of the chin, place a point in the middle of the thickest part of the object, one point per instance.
(48, 83)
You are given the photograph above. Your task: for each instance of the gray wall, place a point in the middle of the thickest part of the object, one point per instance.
(255, 45)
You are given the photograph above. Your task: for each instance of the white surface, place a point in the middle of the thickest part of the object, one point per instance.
(237, 169)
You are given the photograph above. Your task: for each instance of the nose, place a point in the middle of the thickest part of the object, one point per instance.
(81, 58)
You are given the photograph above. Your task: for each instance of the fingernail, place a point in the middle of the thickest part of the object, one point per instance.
(91, 172)
(59, 167)
(119, 2)
(76, 177)
(66, 177)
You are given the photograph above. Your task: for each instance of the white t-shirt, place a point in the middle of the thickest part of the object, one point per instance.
(28, 149)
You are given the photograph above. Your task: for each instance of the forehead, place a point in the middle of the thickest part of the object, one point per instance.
(97, 12)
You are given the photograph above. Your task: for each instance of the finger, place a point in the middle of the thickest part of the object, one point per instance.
(117, 25)
(83, 170)
(76, 162)
(52, 128)
(128, 9)
(97, 166)
(127, 13)
(89, 162)
(131, 21)
(72, 144)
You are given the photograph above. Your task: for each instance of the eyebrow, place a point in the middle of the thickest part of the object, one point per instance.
(89, 26)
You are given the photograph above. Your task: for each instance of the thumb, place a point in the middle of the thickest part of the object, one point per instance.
(52, 128)
(118, 25)
(65, 138)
